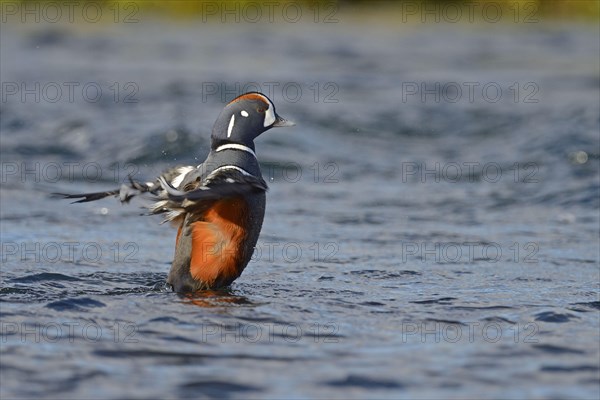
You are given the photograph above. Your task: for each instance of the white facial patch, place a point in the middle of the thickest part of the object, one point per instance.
(230, 128)
(269, 115)
(244, 113)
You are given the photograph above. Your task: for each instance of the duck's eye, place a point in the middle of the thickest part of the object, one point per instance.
(261, 110)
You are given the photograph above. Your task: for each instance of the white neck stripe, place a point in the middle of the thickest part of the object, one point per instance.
(243, 171)
(234, 146)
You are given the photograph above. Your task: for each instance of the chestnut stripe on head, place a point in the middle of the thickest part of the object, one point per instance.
(252, 96)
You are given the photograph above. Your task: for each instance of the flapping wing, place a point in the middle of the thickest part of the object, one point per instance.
(85, 197)
(134, 188)
(221, 184)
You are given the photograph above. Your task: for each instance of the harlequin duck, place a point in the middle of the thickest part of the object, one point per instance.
(217, 206)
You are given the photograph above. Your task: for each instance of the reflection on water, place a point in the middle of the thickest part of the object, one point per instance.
(215, 298)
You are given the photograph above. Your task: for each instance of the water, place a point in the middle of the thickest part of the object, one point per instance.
(413, 247)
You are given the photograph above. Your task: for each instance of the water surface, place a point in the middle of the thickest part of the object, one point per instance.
(413, 247)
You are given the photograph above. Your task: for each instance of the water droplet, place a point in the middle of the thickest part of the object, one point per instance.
(172, 135)
(578, 157)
